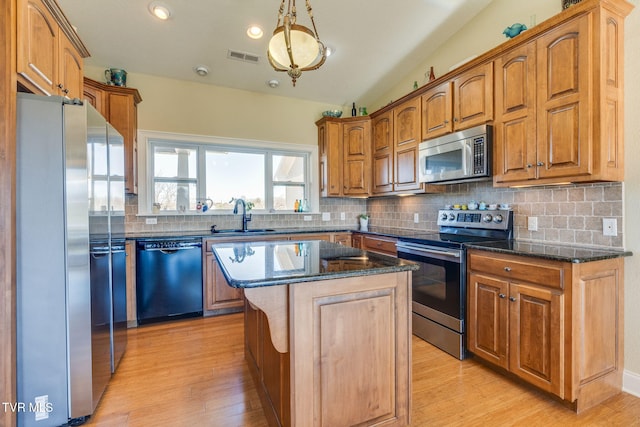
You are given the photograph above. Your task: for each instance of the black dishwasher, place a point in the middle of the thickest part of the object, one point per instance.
(168, 279)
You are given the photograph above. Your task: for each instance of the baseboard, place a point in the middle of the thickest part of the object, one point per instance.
(631, 383)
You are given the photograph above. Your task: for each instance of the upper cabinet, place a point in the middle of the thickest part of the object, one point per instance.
(462, 102)
(345, 156)
(382, 153)
(406, 137)
(49, 52)
(559, 102)
(119, 105)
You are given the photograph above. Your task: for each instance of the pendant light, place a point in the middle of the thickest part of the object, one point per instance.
(295, 48)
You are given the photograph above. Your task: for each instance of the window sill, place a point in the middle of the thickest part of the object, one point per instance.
(213, 214)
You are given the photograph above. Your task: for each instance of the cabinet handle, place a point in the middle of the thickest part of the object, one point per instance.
(502, 295)
(446, 121)
(507, 269)
(540, 163)
(512, 299)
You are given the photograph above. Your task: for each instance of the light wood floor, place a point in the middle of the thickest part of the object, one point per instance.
(192, 373)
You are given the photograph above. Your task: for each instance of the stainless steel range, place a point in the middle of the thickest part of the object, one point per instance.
(439, 286)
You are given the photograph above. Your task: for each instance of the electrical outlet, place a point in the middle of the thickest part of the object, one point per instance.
(343, 216)
(307, 218)
(151, 221)
(532, 223)
(416, 218)
(609, 226)
(326, 216)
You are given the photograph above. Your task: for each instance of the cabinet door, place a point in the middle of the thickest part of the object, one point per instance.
(122, 114)
(437, 111)
(536, 336)
(564, 100)
(406, 131)
(330, 152)
(356, 139)
(473, 97)
(71, 71)
(37, 47)
(488, 318)
(343, 239)
(515, 128)
(218, 293)
(356, 241)
(382, 134)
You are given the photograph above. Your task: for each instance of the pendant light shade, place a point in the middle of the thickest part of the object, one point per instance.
(295, 48)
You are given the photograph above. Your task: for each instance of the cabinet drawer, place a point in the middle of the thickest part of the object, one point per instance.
(546, 273)
(378, 244)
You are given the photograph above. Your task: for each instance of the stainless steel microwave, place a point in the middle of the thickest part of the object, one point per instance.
(456, 157)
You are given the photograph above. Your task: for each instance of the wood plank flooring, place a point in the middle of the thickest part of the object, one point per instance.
(192, 373)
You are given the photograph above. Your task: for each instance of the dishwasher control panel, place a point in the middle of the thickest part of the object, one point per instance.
(169, 244)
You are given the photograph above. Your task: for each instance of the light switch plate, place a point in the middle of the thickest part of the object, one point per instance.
(532, 223)
(609, 226)
(151, 221)
(416, 218)
(307, 218)
(343, 216)
(326, 216)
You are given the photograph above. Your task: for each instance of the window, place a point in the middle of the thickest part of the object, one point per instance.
(183, 173)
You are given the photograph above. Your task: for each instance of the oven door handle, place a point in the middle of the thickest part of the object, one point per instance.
(422, 249)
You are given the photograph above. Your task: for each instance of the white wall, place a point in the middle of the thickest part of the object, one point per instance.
(178, 106)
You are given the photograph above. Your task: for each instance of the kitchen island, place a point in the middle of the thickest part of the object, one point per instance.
(327, 331)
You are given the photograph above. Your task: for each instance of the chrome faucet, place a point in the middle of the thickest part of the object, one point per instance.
(245, 217)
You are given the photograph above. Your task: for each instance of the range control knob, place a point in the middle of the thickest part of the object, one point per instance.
(444, 216)
(487, 218)
(452, 217)
(497, 219)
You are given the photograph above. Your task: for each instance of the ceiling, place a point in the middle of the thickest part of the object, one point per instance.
(376, 43)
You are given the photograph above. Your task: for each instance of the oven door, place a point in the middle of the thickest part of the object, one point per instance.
(445, 162)
(438, 284)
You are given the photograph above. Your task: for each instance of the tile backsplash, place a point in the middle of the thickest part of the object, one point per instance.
(569, 214)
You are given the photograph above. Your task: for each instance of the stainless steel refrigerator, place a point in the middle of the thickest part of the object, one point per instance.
(65, 326)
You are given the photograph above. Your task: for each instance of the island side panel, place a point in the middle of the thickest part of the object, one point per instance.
(350, 342)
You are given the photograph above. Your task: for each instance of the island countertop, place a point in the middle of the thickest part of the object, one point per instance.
(266, 263)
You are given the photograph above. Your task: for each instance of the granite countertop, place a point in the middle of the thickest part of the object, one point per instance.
(557, 252)
(255, 264)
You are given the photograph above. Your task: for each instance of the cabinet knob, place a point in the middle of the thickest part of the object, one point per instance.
(455, 119)
(59, 86)
(507, 269)
(502, 295)
(65, 91)
(446, 121)
(512, 299)
(529, 165)
(540, 163)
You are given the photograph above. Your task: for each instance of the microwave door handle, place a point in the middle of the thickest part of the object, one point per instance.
(468, 158)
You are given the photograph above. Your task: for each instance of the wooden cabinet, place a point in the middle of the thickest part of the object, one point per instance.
(381, 244)
(515, 125)
(119, 105)
(49, 52)
(382, 153)
(218, 293)
(460, 103)
(406, 137)
(356, 240)
(132, 311)
(356, 140)
(556, 325)
(577, 106)
(342, 239)
(345, 156)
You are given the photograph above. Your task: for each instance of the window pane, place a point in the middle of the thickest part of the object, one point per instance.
(285, 196)
(235, 175)
(175, 196)
(288, 168)
(175, 162)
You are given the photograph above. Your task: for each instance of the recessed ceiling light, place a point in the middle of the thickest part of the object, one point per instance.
(159, 10)
(273, 83)
(255, 32)
(329, 51)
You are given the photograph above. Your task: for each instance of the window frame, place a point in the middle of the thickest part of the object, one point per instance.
(146, 180)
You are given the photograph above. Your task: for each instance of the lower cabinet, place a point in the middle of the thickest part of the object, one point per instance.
(556, 325)
(380, 244)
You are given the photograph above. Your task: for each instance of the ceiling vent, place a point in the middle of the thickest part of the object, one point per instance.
(252, 58)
